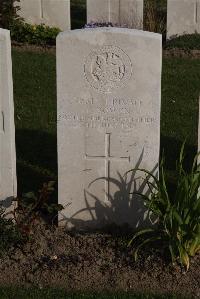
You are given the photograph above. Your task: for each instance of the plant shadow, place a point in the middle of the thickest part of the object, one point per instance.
(37, 163)
(123, 207)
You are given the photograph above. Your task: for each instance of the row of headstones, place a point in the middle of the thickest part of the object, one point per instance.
(57, 12)
(108, 122)
(183, 15)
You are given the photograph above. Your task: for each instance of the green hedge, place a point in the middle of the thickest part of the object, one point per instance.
(33, 34)
(187, 41)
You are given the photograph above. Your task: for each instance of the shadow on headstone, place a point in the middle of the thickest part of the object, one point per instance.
(124, 207)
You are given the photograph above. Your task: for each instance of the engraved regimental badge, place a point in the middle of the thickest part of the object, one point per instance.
(107, 69)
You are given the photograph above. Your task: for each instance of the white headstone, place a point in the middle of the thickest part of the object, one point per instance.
(125, 13)
(183, 17)
(109, 93)
(8, 183)
(53, 13)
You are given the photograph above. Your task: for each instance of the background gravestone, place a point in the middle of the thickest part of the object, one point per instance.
(53, 13)
(126, 12)
(8, 184)
(183, 16)
(109, 90)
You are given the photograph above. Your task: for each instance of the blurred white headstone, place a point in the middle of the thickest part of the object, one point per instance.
(53, 13)
(8, 182)
(183, 17)
(125, 13)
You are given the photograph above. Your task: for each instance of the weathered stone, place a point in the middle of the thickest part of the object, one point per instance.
(109, 90)
(30, 10)
(131, 13)
(53, 13)
(8, 183)
(183, 17)
(125, 13)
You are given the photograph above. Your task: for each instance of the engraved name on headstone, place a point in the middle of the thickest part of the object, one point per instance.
(8, 183)
(109, 87)
(183, 17)
(126, 13)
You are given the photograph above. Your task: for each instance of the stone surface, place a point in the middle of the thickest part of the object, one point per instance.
(126, 12)
(8, 184)
(53, 13)
(109, 90)
(183, 16)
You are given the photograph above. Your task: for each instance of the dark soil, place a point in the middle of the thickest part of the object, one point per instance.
(33, 48)
(93, 262)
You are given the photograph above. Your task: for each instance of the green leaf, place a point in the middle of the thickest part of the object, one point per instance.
(184, 257)
(29, 195)
(150, 240)
(51, 184)
(140, 233)
(145, 171)
(178, 213)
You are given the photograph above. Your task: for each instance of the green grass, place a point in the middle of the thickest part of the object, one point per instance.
(35, 117)
(179, 116)
(78, 13)
(10, 293)
(187, 42)
(35, 113)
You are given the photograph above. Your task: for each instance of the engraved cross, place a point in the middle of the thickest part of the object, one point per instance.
(107, 158)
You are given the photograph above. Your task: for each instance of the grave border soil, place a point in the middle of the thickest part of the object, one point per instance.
(94, 262)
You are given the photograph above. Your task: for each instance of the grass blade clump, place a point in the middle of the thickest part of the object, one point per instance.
(178, 227)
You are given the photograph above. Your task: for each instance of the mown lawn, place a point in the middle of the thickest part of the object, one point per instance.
(35, 113)
(34, 77)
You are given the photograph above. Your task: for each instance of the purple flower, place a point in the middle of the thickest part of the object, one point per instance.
(103, 24)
